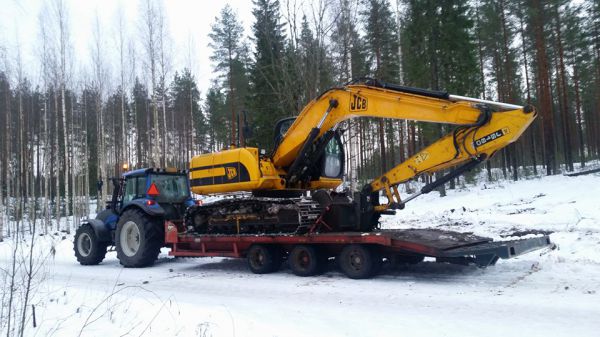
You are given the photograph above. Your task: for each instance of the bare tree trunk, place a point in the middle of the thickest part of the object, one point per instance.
(56, 161)
(578, 112)
(47, 171)
(562, 80)
(545, 98)
(150, 35)
(61, 16)
(121, 43)
(531, 130)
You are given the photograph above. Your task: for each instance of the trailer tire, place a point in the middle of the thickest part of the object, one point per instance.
(264, 259)
(138, 239)
(88, 249)
(359, 261)
(306, 260)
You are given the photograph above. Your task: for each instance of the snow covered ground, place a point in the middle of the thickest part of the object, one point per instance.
(544, 293)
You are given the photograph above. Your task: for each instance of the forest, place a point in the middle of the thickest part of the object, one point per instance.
(63, 136)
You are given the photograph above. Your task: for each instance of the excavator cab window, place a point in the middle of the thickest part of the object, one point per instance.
(281, 127)
(333, 159)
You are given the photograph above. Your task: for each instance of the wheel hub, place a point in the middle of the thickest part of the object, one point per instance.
(356, 261)
(130, 238)
(84, 244)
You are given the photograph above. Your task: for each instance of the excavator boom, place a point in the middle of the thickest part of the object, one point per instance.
(481, 127)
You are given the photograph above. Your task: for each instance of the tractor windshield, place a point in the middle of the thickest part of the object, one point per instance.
(171, 188)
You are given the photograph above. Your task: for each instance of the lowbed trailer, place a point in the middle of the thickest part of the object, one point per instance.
(359, 255)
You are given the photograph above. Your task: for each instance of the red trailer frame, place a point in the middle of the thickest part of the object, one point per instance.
(406, 244)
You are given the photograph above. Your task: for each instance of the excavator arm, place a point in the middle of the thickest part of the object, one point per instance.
(481, 128)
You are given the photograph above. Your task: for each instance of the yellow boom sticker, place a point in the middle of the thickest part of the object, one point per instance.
(491, 137)
(231, 172)
(421, 157)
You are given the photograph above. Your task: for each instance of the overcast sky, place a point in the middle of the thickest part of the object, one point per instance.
(187, 19)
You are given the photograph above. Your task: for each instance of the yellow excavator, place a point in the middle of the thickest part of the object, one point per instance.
(291, 189)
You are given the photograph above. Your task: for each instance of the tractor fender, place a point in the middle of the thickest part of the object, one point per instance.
(102, 231)
(153, 210)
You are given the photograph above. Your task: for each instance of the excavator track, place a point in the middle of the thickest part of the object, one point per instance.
(253, 216)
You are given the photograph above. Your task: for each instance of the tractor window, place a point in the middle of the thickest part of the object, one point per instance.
(332, 159)
(135, 187)
(171, 188)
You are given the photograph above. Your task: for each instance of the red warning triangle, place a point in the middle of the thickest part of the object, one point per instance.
(153, 191)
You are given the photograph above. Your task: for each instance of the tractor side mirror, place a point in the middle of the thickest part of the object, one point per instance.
(116, 192)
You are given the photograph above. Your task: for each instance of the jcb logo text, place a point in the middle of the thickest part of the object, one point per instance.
(358, 103)
(231, 172)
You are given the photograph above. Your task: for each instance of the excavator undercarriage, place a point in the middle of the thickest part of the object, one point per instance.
(253, 215)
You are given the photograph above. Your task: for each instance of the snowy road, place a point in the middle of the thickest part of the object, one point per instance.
(546, 293)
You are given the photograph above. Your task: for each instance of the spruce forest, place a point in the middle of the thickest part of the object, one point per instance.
(64, 134)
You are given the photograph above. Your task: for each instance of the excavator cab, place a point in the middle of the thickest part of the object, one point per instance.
(330, 164)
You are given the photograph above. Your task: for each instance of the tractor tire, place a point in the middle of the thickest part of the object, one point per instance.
(306, 260)
(359, 261)
(138, 239)
(264, 259)
(88, 250)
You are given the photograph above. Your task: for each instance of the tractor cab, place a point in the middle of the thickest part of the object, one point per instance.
(163, 192)
(157, 192)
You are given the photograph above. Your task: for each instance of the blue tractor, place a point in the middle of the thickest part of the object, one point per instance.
(133, 220)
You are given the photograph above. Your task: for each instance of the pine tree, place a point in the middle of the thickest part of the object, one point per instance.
(381, 42)
(229, 54)
(496, 34)
(218, 121)
(143, 126)
(267, 84)
(538, 16)
(348, 52)
(185, 101)
(440, 52)
(577, 57)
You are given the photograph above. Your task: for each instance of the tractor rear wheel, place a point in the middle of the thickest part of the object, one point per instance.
(88, 250)
(138, 239)
(359, 261)
(306, 260)
(264, 259)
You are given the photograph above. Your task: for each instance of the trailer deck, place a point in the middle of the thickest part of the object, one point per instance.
(445, 246)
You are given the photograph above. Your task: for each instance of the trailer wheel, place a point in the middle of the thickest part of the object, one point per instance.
(264, 259)
(138, 239)
(305, 260)
(359, 261)
(88, 250)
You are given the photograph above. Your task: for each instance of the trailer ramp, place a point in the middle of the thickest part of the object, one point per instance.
(463, 248)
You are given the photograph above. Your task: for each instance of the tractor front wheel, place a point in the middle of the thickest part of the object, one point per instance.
(88, 250)
(138, 239)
